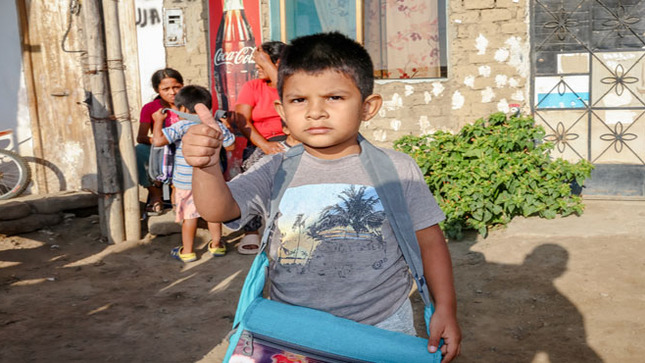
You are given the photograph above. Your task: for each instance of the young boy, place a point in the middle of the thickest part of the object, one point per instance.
(182, 175)
(332, 248)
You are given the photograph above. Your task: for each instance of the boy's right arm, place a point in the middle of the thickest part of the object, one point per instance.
(158, 138)
(201, 147)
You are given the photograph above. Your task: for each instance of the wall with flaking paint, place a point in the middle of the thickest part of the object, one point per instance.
(488, 68)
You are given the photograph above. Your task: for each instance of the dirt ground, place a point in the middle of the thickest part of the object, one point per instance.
(565, 290)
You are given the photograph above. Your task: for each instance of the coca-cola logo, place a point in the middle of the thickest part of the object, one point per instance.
(242, 56)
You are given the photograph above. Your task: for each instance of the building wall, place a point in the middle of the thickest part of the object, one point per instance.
(151, 50)
(191, 59)
(488, 68)
(13, 94)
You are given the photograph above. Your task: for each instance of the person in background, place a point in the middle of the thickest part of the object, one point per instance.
(258, 154)
(185, 210)
(166, 82)
(259, 122)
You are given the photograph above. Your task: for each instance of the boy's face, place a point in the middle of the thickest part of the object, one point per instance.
(324, 112)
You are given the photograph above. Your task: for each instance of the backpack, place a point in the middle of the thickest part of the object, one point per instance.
(161, 163)
(264, 326)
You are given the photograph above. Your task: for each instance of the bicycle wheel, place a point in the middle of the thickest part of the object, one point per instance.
(14, 174)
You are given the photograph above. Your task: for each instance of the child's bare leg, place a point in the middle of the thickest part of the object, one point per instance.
(216, 234)
(188, 231)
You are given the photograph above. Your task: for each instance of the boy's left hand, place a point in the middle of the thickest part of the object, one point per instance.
(444, 326)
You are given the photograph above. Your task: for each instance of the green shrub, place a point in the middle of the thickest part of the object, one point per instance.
(493, 170)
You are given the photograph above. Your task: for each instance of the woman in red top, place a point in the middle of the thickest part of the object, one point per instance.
(255, 115)
(166, 82)
(258, 120)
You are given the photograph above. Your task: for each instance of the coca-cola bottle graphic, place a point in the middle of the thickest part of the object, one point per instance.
(233, 60)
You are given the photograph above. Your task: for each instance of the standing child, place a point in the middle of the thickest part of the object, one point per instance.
(185, 211)
(333, 248)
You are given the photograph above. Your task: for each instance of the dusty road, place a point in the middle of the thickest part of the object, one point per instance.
(565, 290)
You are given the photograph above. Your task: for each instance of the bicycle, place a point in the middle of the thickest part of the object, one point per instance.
(15, 174)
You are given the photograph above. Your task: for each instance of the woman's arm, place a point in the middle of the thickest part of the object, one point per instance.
(242, 118)
(142, 135)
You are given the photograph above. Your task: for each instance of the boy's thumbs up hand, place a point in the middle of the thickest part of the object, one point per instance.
(202, 143)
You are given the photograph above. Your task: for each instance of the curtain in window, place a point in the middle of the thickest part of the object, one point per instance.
(337, 15)
(402, 36)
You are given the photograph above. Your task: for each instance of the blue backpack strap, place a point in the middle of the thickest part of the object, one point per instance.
(254, 282)
(386, 181)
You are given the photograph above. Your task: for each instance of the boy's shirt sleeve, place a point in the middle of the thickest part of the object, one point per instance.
(229, 138)
(252, 190)
(422, 205)
(175, 131)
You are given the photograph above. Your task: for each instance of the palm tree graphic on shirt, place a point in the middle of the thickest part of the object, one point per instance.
(357, 216)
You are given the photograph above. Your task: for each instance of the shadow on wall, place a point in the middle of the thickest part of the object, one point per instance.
(54, 176)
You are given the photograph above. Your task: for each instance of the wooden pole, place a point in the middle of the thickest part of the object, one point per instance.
(122, 114)
(129, 47)
(41, 177)
(103, 125)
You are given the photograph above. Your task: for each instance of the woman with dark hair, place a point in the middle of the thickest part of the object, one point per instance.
(255, 115)
(258, 120)
(166, 82)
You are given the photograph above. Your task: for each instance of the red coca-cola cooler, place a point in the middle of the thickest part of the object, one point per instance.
(234, 32)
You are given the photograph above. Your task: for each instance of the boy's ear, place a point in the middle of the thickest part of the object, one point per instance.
(371, 106)
(277, 104)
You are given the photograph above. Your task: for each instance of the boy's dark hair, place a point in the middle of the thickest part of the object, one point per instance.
(161, 74)
(273, 49)
(189, 96)
(320, 52)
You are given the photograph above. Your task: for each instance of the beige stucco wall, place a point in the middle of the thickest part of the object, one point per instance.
(488, 68)
(191, 59)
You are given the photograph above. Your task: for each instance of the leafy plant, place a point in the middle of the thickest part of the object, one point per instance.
(493, 170)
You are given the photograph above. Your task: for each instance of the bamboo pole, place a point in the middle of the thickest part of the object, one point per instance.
(98, 102)
(122, 114)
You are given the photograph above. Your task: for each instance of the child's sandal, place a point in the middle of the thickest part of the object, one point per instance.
(216, 251)
(183, 257)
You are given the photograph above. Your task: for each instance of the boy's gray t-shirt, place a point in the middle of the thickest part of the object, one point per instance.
(332, 248)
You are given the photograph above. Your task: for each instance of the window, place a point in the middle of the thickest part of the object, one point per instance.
(405, 38)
